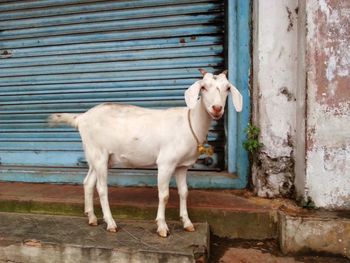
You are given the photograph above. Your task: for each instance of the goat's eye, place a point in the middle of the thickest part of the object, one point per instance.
(203, 88)
(228, 88)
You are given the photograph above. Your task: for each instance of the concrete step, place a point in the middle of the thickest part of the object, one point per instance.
(317, 231)
(232, 214)
(62, 239)
(229, 213)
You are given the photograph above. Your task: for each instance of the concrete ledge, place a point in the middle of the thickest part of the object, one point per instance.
(40, 238)
(228, 214)
(232, 214)
(321, 232)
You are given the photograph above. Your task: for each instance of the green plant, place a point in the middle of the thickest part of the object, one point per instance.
(308, 203)
(252, 144)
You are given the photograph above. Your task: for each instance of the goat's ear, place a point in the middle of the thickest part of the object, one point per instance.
(237, 98)
(224, 72)
(202, 71)
(191, 94)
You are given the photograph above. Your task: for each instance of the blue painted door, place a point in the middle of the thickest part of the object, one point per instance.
(69, 55)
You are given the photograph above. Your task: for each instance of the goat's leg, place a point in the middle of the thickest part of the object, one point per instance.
(164, 174)
(180, 175)
(101, 173)
(89, 184)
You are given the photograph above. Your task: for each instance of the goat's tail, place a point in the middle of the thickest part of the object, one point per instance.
(67, 118)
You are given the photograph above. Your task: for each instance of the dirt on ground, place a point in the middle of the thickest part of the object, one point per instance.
(224, 250)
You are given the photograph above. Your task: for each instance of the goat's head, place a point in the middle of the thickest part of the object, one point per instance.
(214, 90)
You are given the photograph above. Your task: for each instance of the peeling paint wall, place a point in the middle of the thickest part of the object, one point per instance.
(274, 88)
(328, 103)
(301, 99)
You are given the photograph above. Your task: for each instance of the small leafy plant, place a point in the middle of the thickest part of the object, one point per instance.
(252, 144)
(308, 203)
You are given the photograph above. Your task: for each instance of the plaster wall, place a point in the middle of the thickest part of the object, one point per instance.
(327, 66)
(301, 100)
(274, 89)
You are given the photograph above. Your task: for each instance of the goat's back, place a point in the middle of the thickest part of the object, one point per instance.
(133, 135)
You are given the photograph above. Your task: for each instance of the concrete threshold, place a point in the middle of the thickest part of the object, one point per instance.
(44, 238)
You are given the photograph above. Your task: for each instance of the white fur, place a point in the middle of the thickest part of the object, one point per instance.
(131, 136)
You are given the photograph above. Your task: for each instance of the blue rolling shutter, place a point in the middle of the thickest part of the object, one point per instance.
(69, 55)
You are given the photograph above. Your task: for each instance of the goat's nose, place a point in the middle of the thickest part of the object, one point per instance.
(217, 108)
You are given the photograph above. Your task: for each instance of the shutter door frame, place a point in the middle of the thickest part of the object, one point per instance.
(203, 179)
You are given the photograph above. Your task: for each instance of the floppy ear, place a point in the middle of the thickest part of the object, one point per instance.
(191, 94)
(237, 98)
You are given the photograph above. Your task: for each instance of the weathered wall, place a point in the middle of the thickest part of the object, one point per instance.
(274, 88)
(327, 66)
(301, 99)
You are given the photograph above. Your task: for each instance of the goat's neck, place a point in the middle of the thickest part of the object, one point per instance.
(201, 121)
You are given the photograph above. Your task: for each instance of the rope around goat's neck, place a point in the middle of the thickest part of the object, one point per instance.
(200, 146)
(191, 128)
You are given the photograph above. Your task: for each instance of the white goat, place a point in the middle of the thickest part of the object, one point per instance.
(132, 136)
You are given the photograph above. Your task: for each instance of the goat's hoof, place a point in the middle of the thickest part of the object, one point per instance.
(190, 228)
(93, 223)
(112, 229)
(163, 233)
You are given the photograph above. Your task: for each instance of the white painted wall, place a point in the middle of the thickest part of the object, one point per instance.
(277, 63)
(274, 87)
